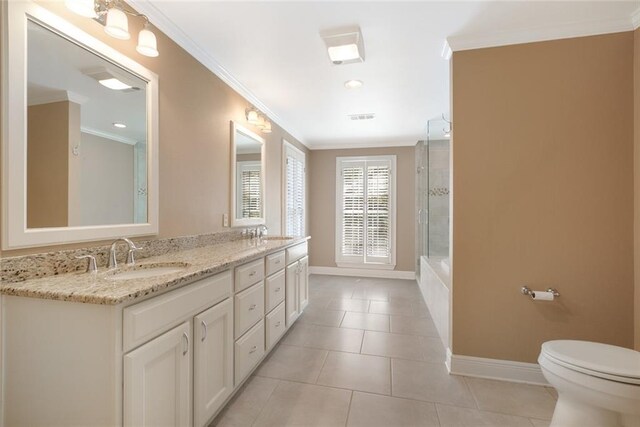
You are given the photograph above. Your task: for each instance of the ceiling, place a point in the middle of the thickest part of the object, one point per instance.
(272, 53)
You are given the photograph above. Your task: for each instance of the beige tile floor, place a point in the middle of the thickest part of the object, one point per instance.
(366, 353)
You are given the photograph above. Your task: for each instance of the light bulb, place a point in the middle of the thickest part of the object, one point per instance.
(117, 24)
(84, 8)
(147, 43)
(252, 117)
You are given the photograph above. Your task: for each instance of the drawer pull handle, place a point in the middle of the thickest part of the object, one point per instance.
(253, 273)
(277, 290)
(253, 349)
(204, 331)
(252, 307)
(186, 337)
(277, 262)
(278, 324)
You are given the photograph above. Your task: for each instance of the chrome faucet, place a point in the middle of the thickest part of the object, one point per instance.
(262, 230)
(132, 248)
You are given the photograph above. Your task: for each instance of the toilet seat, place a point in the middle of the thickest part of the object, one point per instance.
(595, 359)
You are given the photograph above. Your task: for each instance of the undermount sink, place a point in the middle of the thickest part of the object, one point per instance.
(276, 237)
(147, 271)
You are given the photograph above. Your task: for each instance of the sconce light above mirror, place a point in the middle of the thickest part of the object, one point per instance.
(113, 15)
(258, 119)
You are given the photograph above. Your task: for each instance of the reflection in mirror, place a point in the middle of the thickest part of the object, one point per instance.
(86, 136)
(247, 177)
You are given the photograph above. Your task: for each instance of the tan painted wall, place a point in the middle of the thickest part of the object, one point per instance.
(543, 195)
(322, 193)
(48, 164)
(195, 110)
(636, 118)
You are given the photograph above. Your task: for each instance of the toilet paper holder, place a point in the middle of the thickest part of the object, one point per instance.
(527, 291)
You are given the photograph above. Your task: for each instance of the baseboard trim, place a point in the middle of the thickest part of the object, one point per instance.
(495, 369)
(362, 272)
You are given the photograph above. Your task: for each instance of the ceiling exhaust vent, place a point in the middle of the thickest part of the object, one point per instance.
(362, 116)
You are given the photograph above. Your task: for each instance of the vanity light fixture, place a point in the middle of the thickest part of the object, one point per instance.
(119, 125)
(113, 15)
(344, 45)
(353, 84)
(258, 119)
(84, 8)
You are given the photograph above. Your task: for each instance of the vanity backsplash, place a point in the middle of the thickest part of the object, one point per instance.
(21, 268)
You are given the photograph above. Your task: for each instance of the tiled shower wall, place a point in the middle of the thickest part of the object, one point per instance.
(439, 172)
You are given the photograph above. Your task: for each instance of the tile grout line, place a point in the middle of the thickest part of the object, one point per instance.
(255, 420)
(346, 422)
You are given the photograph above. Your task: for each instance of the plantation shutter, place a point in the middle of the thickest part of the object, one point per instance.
(294, 191)
(364, 211)
(250, 201)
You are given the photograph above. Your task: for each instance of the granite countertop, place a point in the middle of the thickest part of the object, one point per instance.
(101, 289)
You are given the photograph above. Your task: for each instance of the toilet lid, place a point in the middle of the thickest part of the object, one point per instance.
(596, 359)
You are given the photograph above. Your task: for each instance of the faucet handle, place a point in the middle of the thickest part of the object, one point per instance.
(92, 267)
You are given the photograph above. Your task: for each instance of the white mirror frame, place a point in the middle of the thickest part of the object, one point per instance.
(15, 233)
(246, 222)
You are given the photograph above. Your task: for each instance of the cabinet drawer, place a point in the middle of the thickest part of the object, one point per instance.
(274, 326)
(249, 274)
(249, 350)
(296, 252)
(275, 262)
(274, 290)
(249, 308)
(150, 318)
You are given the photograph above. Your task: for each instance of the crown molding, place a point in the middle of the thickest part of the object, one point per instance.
(108, 135)
(576, 29)
(168, 27)
(354, 145)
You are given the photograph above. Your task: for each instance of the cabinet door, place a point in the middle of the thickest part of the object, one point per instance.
(291, 294)
(157, 381)
(303, 283)
(213, 360)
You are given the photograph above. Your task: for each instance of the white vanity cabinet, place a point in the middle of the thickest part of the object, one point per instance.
(297, 282)
(158, 377)
(158, 381)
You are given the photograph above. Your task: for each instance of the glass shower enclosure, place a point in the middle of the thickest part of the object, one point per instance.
(432, 194)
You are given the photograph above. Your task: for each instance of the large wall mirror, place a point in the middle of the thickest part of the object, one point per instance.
(80, 155)
(247, 177)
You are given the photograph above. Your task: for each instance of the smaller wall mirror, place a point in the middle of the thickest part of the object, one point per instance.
(247, 177)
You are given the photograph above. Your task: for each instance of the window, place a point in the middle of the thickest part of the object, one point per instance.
(294, 185)
(248, 180)
(365, 211)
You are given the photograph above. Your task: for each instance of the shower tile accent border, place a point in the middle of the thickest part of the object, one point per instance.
(27, 267)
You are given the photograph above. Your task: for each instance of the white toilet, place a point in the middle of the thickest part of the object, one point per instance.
(598, 384)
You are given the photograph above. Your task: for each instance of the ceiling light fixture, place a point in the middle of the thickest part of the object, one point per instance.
(252, 116)
(113, 15)
(345, 45)
(119, 125)
(353, 84)
(114, 84)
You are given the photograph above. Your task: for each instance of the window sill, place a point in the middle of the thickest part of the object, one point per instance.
(366, 266)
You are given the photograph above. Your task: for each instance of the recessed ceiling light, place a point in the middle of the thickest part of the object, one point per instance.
(362, 116)
(353, 84)
(114, 84)
(119, 125)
